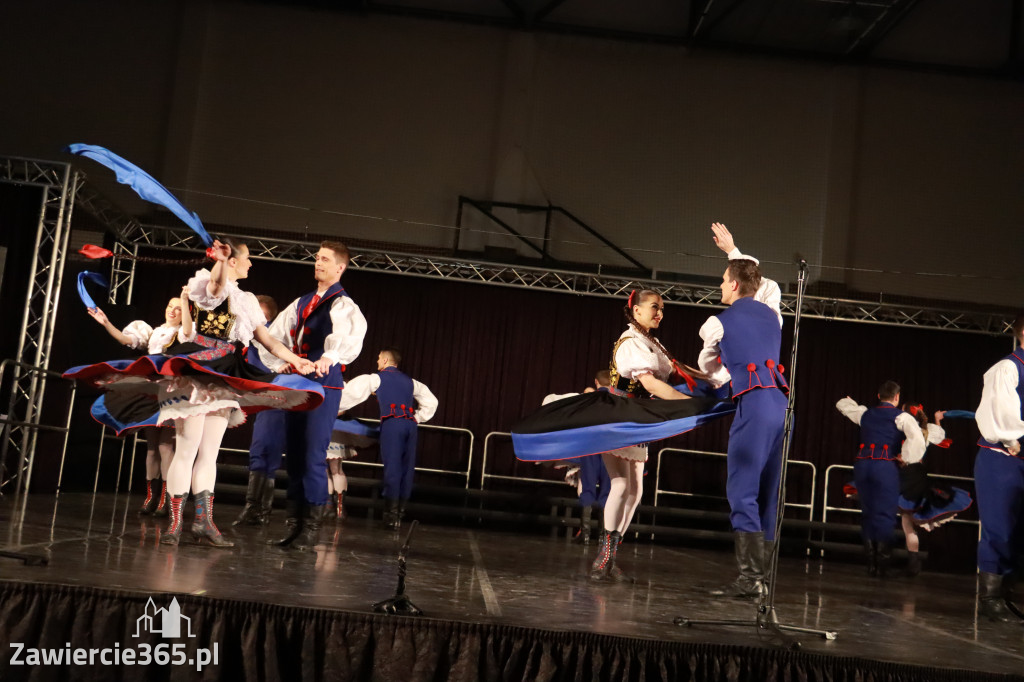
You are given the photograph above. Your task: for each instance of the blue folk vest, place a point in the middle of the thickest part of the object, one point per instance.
(394, 395)
(880, 438)
(314, 328)
(750, 346)
(1017, 357)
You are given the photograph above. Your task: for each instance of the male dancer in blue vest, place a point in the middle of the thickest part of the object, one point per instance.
(593, 486)
(267, 444)
(404, 403)
(742, 344)
(592, 480)
(999, 482)
(327, 327)
(876, 472)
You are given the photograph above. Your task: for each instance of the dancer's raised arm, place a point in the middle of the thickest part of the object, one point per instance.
(768, 291)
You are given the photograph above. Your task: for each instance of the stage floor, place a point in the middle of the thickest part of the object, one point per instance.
(484, 576)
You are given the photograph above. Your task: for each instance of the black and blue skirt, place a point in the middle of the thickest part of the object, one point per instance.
(593, 423)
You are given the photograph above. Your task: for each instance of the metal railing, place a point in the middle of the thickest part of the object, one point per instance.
(499, 477)
(827, 503)
(132, 438)
(431, 427)
(809, 506)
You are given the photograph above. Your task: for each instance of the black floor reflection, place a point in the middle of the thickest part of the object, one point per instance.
(481, 575)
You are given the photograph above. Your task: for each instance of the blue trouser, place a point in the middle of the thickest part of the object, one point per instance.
(755, 460)
(999, 483)
(307, 435)
(267, 444)
(878, 487)
(398, 455)
(594, 481)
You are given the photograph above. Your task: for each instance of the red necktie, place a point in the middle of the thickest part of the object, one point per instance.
(309, 307)
(301, 327)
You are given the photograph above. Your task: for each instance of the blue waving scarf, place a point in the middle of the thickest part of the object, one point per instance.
(92, 277)
(144, 184)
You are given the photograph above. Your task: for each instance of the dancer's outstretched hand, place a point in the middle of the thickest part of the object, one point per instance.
(723, 238)
(1014, 448)
(98, 315)
(304, 366)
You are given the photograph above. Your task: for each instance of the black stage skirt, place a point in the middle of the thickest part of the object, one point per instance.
(592, 423)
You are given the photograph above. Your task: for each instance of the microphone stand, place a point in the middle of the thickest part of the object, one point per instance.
(400, 604)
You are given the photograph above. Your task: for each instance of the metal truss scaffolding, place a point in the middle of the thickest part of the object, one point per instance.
(22, 422)
(579, 283)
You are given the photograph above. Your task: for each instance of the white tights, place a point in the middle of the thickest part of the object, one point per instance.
(197, 442)
(627, 487)
(337, 481)
(913, 542)
(159, 451)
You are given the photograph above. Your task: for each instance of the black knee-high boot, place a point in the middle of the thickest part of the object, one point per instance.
(582, 536)
(250, 515)
(992, 595)
(883, 557)
(749, 549)
(871, 557)
(266, 501)
(392, 515)
(293, 523)
(310, 535)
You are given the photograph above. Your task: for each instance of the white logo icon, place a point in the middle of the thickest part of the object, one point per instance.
(166, 622)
